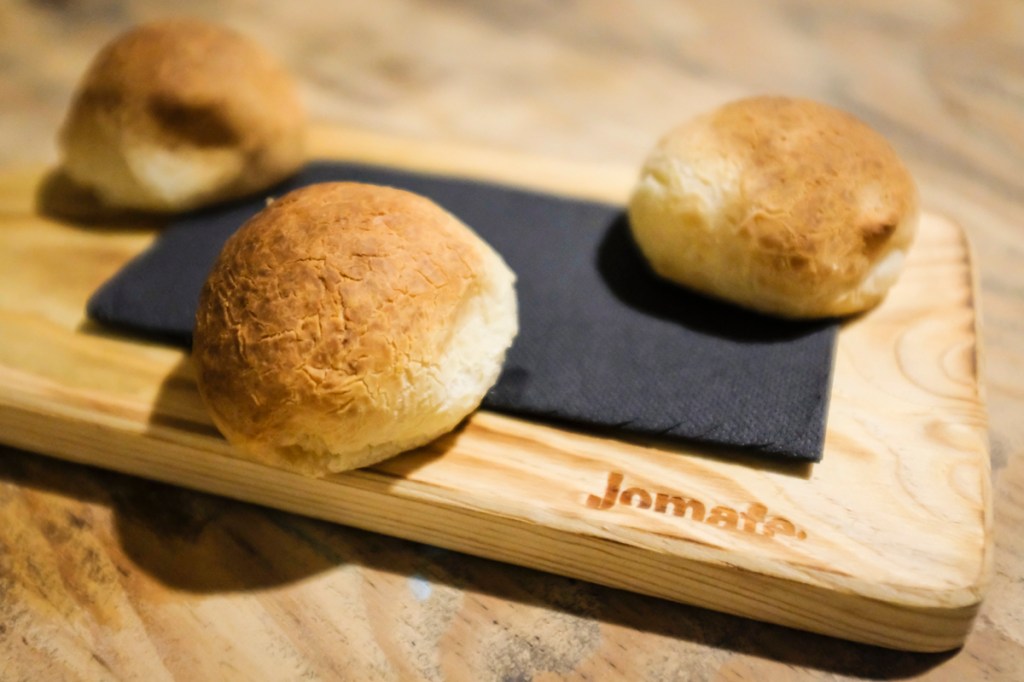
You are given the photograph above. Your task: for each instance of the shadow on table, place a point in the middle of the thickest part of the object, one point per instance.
(60, 198)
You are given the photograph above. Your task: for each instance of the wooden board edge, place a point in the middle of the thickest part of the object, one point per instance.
(986, 570)
(598, 182)
(365, 499)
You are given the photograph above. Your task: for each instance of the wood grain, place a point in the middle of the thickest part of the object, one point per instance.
(886, 541)
(582, 82)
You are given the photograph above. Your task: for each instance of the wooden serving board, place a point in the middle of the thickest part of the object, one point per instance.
(886, 541)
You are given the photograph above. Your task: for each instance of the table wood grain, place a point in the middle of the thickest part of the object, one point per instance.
(591, 83)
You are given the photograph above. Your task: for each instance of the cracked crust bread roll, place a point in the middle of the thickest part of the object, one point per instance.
(346, 323)
(178, 114)
(785, 206)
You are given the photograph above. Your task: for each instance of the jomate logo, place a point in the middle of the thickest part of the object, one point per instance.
(754, 519)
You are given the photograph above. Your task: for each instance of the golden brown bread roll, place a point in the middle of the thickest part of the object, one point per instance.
(785, 206)
(177, 114)
(346, 323)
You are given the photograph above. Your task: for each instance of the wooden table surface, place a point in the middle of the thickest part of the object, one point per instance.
(590, 82)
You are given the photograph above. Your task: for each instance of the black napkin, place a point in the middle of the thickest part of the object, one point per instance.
(602, 341)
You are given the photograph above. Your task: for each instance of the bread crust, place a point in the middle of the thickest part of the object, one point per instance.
(178, 113)
(333, 309)
(783, 205)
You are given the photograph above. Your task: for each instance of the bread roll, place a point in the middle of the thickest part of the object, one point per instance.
(346, 323)
(785, 206)
(178, 114)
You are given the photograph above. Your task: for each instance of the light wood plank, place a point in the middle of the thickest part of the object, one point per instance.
(886, 541)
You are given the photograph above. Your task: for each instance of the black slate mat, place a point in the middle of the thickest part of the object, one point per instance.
(602, 341)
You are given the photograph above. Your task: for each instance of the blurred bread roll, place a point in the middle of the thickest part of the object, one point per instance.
(786, 206)
(346, 323)
(178, 114)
